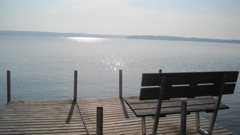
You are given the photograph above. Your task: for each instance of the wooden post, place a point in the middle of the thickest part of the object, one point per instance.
(159, 105)
(99, 128)
(160, 70)
(183, 117)
(75, 86)
(120, 83)
(8, 86)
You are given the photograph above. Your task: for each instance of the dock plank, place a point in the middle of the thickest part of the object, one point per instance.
(119, 119)
(41, 117)
(68, 118)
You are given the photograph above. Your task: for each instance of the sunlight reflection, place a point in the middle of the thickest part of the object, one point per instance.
(86, 39)
(114, 62)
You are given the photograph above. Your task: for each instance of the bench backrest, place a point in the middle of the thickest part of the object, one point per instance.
(187, 84)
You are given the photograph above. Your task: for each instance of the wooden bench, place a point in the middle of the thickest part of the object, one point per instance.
(173, 93)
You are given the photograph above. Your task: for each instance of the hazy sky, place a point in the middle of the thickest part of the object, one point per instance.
(187, 18)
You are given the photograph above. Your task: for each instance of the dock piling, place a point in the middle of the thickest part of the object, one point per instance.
(99, 128)
(75, 86)
(8, 86)
(120, 83)
(160, 70)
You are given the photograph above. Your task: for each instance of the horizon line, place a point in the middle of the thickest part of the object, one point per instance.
(150, 37)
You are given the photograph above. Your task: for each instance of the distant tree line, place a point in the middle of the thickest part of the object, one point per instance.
(184, 39)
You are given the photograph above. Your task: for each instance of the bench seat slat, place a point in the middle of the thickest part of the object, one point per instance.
(135, 100)
(171, 104)
(177, 110)
(141, 108)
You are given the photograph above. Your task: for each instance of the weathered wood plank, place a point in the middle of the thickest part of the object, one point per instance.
(41, 117)
(154, 79)
(61, 117)
(116, 122)
(187, 84)
(147, 108)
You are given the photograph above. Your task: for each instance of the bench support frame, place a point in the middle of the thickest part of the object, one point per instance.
(143, 126)
(199, 129)
(185, 85)
(159, 104)
(214, 115)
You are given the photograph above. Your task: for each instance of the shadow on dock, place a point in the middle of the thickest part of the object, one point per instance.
(124, 109)
(70, 113)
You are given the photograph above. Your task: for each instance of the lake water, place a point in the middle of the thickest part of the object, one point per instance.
(43, 67)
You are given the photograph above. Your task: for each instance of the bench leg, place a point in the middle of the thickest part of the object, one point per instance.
(217, 104)
(143, 126)
(183, 117)
(197, 120)
(213, 120)
(198, 127)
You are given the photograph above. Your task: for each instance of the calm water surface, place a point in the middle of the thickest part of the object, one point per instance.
(42, 67)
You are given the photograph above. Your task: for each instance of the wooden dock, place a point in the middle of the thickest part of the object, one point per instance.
(69, 118)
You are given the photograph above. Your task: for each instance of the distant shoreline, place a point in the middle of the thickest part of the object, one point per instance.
(149, 37)
(172, 38)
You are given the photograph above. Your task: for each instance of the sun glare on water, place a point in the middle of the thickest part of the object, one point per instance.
(110, 61)
(86, 39)
(115, 62)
